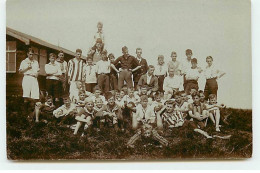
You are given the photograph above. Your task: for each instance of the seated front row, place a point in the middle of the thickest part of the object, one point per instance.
(129, 111)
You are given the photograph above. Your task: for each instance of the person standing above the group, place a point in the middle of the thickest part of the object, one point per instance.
(192, 76)
(30, 69)
(127, 63)
(160, 71)
(172, 84)
(75, 71)
(90, 75)
(144, 67)
(174, 64)
(103, 71)
(211, 74)
(100, 34)
(64, 69)
(150, 80)
(53, 83)
(96, 50)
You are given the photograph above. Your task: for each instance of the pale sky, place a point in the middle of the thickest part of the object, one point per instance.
(219, 28)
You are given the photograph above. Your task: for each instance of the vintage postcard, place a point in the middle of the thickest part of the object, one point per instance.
(128, 80)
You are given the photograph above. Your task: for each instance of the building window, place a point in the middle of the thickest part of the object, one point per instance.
(11, 56)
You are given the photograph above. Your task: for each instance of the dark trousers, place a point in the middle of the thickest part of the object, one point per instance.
(90, 87)
(113, 82)
(103, 82)
(160, 82)
(64, 84)
(191, 84)
(125, 75)
(211, 87)
(54, 87)
(136, 78)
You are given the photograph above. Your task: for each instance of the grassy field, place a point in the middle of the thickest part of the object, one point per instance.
(29, 141)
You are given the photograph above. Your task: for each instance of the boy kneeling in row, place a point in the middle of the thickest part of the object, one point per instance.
(144, 122)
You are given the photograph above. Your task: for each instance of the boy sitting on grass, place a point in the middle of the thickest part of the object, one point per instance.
(97, 94)
(44, 110)
(144, 113)
(128, 105)
(66, 113)
(198, 111)
(214, 112)
(80, 104)
(144, 123)
(158, 102)
(85, 117)
(168, 117)
(110, 114)
(143, 90)
(181, 104)
(98, 121)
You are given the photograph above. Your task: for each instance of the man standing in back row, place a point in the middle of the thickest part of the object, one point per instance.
(144, 67)
(129, 64)
(75, 71)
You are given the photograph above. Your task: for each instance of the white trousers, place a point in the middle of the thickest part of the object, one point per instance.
(30, 87)
(74, 91)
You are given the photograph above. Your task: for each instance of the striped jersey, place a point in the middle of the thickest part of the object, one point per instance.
(75, 71)
(172, 119)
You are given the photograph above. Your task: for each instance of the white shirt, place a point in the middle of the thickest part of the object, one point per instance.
(173, 82)
(147, 114)
(53, 69)
(90, 73)
(160, 69)
(63, 67)
(26, 63)
(149, 77)
(175, 65)
(185, 65)
(103, 67)
(63, 110)
(192, 74)
(183, 108)
(211, 72)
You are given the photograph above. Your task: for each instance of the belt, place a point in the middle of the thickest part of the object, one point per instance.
(191, 80)
(104, 73)
(126, 69)
(29, 75)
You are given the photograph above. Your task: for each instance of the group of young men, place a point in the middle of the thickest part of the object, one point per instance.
(124, 93)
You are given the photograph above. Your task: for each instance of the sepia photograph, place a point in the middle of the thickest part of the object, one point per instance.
(128, 80)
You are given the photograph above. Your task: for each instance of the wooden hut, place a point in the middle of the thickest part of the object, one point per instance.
(17, 44)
